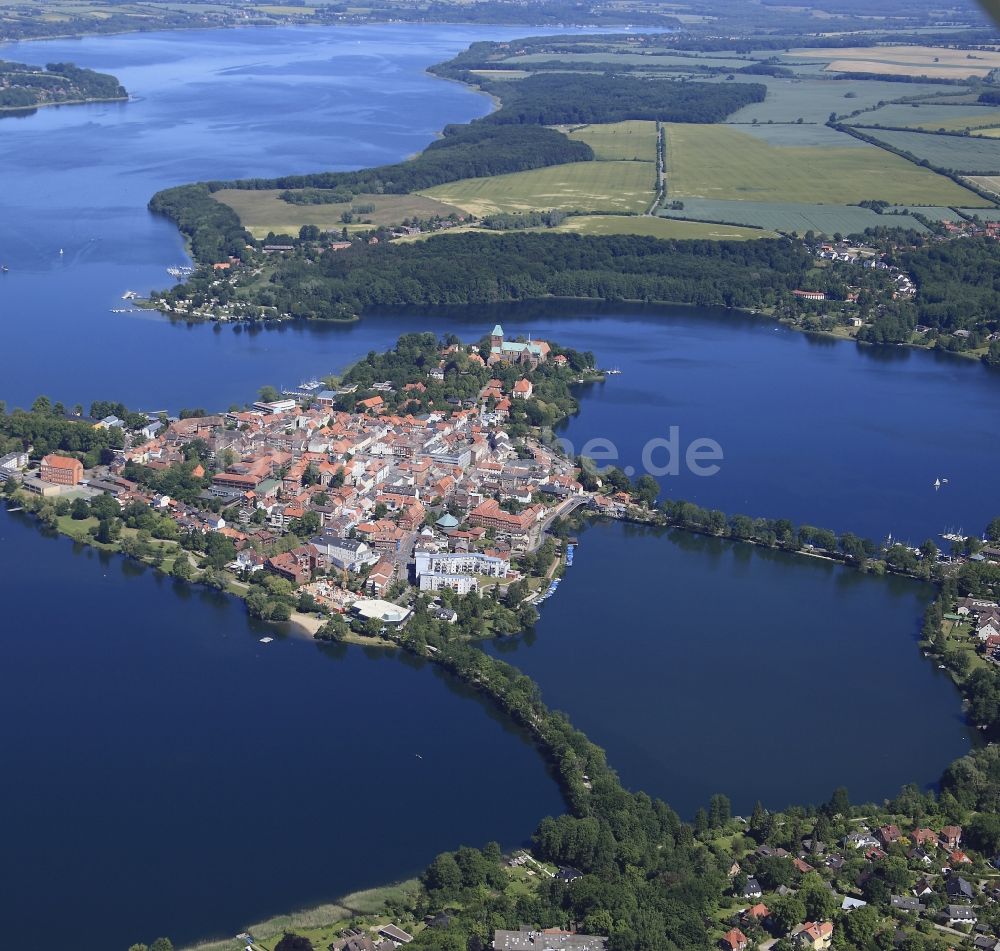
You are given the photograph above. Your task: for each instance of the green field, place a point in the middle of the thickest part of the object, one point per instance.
(931, 116)
(975, 155)
(625, 58)
(719, 161)
(792, 216)
(262, 211)
(659, 227)
(813, 100)
(618, 141)
(578, 186)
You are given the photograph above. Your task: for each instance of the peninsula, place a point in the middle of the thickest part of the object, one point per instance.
(25, 87)
(592, 184)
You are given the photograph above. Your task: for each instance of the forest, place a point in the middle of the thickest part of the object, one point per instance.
(486, 268)
(463, 151)
(572, 98)
(23, 87)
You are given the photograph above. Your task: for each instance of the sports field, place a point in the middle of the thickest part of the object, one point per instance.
(907, 60)
(618, 141)
(578, 186)
(659, 227)
(263, 211)
(718, 161)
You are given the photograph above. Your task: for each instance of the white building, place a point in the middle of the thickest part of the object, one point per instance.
(460, 563)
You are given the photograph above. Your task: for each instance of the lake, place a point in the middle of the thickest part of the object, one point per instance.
(812, 429)
(162, 755)
(166, 773)
(704, 666)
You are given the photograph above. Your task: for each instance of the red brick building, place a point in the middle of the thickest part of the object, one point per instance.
(61, 470)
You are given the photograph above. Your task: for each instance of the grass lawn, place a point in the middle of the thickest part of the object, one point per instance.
(618, 141)
(263, 211)
(659, 227)
(577, 186)
(321, 925)
(718, 161)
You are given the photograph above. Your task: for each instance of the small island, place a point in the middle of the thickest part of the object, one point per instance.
(28, 87)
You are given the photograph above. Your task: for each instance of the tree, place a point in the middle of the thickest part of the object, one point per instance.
(80, 510)
(292, 942)
(443, 875)
(162, 944)
(181, 568)
(719, 811)
(840, 803)
(993, 529)
(268, 394)
(787, 911)
(820, 902)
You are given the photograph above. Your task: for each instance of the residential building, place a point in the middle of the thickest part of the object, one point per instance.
(815, 935)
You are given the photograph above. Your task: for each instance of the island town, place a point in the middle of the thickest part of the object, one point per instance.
(355, 497)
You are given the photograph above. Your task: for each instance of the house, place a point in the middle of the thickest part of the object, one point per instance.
(757, 912)
(905, 903)
(61, 470)
(396, 935)
(380, 578)
(923, 887)
(734, 940)
(923, 837)
(752, 889)
(816, 935)
(959, 889)
(523, 389)
(951, 837)
(960, 915)
(888, 834)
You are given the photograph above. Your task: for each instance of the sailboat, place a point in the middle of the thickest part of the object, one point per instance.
(937, 483)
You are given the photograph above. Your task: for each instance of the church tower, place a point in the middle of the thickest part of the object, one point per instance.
(496, 338)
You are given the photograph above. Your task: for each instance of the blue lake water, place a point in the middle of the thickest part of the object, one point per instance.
(173, 775)
(166, 773)
(706, 667)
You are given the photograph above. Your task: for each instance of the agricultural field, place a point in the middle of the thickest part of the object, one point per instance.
(813, 99)
(723, 162)
(930, 116)
(989, 183)
(630, 141)
(652, 60)
(801, 134)
(659, 227)
(906, 61)
(787, 217)
(577, 186)
(929, 211)
(263, 211)
(976, 155)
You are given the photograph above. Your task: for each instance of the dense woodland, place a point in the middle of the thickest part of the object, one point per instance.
(24, 86)
(482, 268)
(463, 151)
(572, 98)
